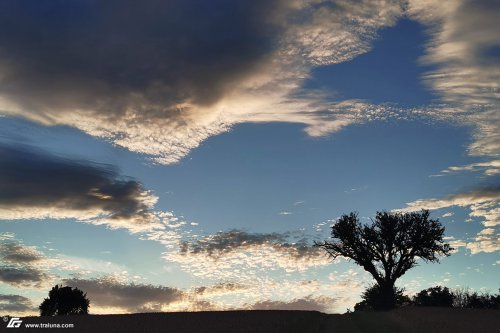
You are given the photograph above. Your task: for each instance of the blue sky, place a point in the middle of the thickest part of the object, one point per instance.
(185, 161)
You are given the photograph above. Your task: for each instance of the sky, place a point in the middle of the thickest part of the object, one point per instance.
(185, 155)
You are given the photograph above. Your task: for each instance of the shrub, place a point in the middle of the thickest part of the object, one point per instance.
(374, 298)
(463, 298)
(434, 296)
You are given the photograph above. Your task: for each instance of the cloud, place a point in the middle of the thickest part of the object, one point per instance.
(185, 70)
(483, 203)
(487, 240)
(22, 276)
(174, 53)
(490, 168)
(109, 292)
(463, 51)
(23, 266)
(37, 185)
(17, 253)
(234, 253)
(264, 293)
(15, 304)
(220, 289)
(227, 241)
(26, 266)
(309, 303)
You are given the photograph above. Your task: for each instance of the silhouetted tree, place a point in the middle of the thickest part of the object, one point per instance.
(434, 296)
(388, 247)
(64, 301)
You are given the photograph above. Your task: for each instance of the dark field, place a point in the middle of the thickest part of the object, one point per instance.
(427, 320)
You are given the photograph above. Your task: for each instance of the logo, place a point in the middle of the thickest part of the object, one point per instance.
(14, 323)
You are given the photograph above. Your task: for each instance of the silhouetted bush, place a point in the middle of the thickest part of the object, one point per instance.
(374, 298)
(463, 298)
(438, 296)
(64, 301)
(434, 296)
(458, 298)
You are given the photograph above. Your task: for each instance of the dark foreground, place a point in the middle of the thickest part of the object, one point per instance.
(427, 320)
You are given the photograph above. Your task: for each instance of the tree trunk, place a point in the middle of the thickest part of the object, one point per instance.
(387, 299)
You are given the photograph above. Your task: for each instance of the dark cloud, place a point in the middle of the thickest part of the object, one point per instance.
(160, 77)
(308, 303)
(15, 303)
(108, 56)
(17, 253)
(22, 276)
(108, 292)
(34, 184)
(18, 265)
(224, 242)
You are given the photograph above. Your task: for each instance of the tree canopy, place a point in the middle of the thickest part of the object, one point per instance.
(389, 246)
(64, 301)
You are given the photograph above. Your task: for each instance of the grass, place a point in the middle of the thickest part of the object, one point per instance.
(427, 320)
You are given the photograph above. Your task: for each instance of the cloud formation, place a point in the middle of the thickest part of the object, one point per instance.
(15, 304)
(19, 265)
(224, 254)
(224, 242)
(483, 203)
(37, 185)
(463, 49)
(490, 168)
(219, 289)
(17, 253)
(22, 276)
(184, 71)
(109, 292)
(487, 240)
(309, 303)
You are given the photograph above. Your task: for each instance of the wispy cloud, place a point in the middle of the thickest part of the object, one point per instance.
(464, 35)
(483, 203)
(490, 168)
